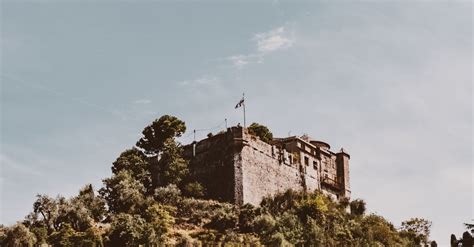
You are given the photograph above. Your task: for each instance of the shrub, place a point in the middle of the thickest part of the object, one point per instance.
(247, 215)
(261, 131)
(194, 189)
(170, 194)
(223, 219)
(357, 207)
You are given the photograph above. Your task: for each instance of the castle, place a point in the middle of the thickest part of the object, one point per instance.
(237, 167)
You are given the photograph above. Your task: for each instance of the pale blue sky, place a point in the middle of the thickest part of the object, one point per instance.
(390, 82)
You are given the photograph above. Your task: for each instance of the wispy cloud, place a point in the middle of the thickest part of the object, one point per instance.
(240, 61)
(201, 81)
(273, 40)
(266, 42)
(142, 101)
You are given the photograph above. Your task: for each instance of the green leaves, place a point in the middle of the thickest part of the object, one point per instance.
(18, 235)
(357, 207)
(136, 164)
(173, 168)
(417, 229)
(123, 193)
(261, 131)
(156, 134)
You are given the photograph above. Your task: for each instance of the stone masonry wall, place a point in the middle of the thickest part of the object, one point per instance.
(265, 173)
(237, 167)
(212, 164)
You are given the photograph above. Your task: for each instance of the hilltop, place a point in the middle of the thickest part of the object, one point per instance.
(152, 199)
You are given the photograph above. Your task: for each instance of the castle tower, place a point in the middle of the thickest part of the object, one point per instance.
(342, 162)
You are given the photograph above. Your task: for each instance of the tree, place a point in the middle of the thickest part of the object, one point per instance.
(357, 207)
(162, 129)
(173, 168)
(46, 212)
(377, 229)
(453, 241)
(64, 237)
(74, 213)
(127, 230)
(418, 229)
(160, 219)
(123, 193)
(169, 195)
(194, 189)
(136, 163)
(467, 239)
(261, 131)
(94, 204)
(19, 235)
(41, 233)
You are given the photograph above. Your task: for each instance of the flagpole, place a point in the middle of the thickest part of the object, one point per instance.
(243, 97)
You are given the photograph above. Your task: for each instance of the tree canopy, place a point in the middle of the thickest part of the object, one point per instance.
(160, 130)
(261, 131)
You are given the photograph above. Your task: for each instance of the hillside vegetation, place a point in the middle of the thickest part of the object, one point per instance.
(151, 200)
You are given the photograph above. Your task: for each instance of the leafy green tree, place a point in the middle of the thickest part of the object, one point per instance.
(46, 212)
(93, 203)
(129, 230)
(173, 168)
(75, 214)
(169, 195)
(123, 193)
(64, 237)
(417, 229)
(376, 229)
(261, 131)
(137, 164)
(160, 218)
(162, 129)
(165, 154)
(41, 233)
(19, 235)
(194, 189)
(79, 213)
(357, 207)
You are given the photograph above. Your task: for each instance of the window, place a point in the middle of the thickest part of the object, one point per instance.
(315, 165)
(306, 160)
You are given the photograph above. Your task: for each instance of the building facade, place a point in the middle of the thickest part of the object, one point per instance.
(235, 166)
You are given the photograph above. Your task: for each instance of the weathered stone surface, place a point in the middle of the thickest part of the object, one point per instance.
(237, 167)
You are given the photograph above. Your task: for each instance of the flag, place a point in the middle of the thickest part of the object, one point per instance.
(241, 102)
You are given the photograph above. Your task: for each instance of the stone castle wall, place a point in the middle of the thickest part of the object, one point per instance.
(237, 167)
(267, 170)
(212, 164)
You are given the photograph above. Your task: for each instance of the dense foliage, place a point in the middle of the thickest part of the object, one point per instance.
(150, 200)
(261, 131)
